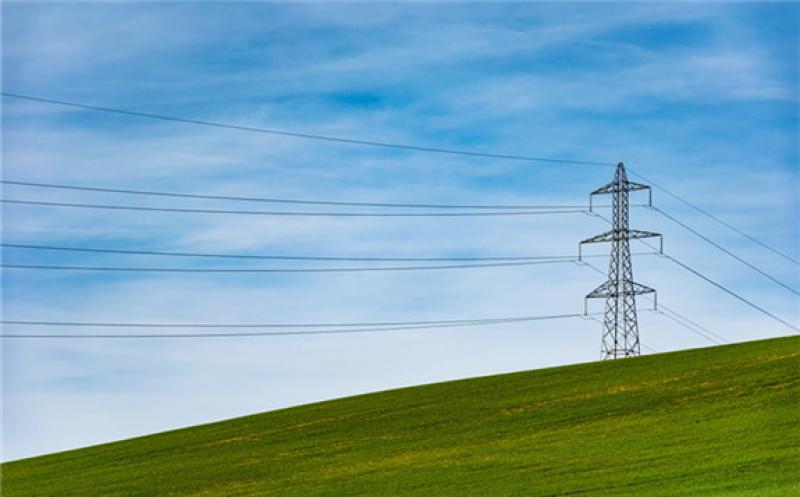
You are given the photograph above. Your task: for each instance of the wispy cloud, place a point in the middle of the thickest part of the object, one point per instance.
(704, 100)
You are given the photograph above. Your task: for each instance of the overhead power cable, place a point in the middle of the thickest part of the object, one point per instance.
(723, 249)
(392, 145)
(718, 285)
(690, 325)
(282, 200)
(682, 324)
(717, 219)
(711, 242)
(339, 324)
(293, 214)
(278, 270)
(674, 315)
(732, 293)
(649, 349)
(644, 346)
(434, 325)
(295, 257)
(399, 146)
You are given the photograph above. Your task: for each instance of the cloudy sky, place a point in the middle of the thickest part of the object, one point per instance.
(700, 98)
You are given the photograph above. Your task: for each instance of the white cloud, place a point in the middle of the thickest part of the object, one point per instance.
(277, 67)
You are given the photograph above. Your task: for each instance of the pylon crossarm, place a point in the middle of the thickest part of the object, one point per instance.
(631, 186)
(627, 186)
(602, 237)
(608, 289)
(600, 292)
(630, 234)
(648, 234)
(639, 289)
(622, 234)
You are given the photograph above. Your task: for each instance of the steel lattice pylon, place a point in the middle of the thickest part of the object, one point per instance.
(620, 325)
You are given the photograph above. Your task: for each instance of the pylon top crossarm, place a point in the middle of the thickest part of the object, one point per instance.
(626, 186)
(621, 184)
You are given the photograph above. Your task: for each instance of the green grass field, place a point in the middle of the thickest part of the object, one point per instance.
(721, 421)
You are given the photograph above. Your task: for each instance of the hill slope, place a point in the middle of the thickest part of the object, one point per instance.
(705, 422)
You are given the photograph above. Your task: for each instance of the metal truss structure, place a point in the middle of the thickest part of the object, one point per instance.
(620, 325)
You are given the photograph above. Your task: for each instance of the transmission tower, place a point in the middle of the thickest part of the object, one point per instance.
(620, 325)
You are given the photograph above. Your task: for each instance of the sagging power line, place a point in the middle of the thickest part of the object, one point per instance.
(391, 145)
(51, 267)
(430, 326)
(368, 143)
(726, 251)
(351, 141)
(294, 257)
(671, 314)
(722, 287)
(733, 294)
(205, 196)
(289, 213)
(728, 225)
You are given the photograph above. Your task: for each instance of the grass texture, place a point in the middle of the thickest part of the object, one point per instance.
(721, 421)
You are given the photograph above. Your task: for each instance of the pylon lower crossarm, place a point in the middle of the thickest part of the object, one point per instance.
(602, 237)
(621, 234)
(608, 289)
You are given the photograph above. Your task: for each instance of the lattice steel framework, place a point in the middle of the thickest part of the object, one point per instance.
(620, 325)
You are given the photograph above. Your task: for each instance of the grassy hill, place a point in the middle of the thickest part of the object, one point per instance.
(706, 422)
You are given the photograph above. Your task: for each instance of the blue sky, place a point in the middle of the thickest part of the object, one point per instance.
(702, 98)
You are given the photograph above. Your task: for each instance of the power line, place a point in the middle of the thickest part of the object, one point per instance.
(295, 257)
(717, 219)
(684, 325)
(295, 214)
(281, 200)
(697, 326)
(270, 270)
(689, 324)
(109, 324)
(723, 249)
(528, 262)
(676, 316)
(718, 285)
(392, 145)
(732, 293)
(388, 145)
(649, 349)
(351, 141)
(290, 333)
